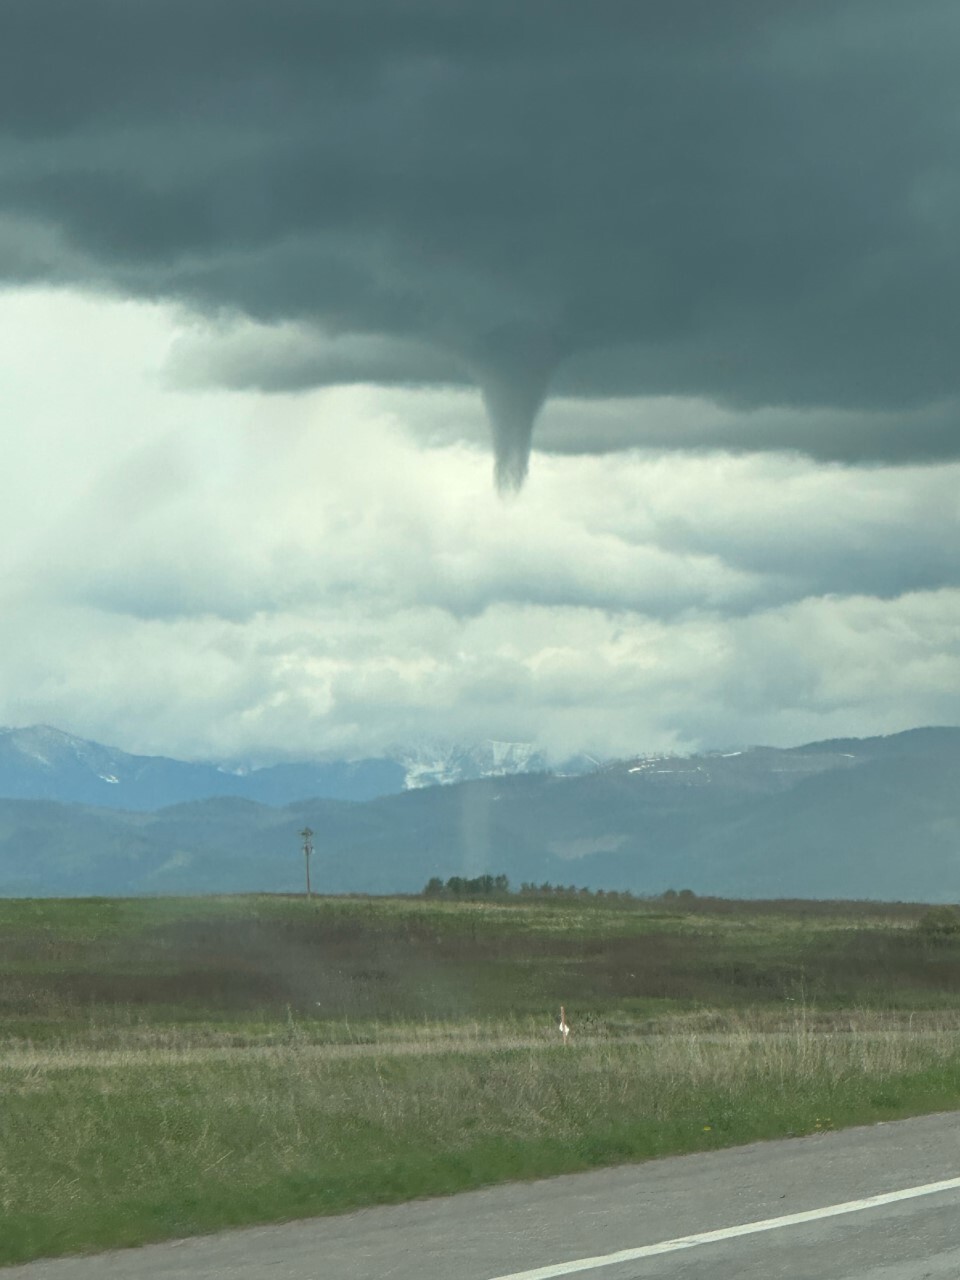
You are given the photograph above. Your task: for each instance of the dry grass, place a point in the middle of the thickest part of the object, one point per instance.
(111, 1045)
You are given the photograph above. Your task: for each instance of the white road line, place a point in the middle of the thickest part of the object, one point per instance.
(730, 1233)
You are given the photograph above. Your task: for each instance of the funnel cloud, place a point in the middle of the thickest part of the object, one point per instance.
(513, 366)
(512, 404)
(748, 204)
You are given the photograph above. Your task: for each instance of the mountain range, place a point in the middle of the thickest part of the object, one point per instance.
(851, 818)
(43, 763)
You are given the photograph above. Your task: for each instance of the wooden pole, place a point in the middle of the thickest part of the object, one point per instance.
(306, 836)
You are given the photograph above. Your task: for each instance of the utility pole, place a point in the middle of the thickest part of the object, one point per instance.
(306, 835)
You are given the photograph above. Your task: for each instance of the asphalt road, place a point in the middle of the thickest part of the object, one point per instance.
(541, 1230)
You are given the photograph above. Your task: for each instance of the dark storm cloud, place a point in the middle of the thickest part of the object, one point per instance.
(920, 434)
(750, 202)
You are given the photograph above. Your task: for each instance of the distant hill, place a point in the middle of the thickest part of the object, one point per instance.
(868, 818)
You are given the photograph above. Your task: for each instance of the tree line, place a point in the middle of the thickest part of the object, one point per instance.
(487, 886)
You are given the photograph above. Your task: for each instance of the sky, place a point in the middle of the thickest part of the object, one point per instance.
(288, 291)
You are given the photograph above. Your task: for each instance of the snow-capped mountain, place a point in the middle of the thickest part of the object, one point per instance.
(428, 764)
(43, 763)
(46, 752)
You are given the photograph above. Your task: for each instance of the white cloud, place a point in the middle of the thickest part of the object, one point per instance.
(235, 573)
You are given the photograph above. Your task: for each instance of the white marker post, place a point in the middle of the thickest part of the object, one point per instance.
(564, 1029)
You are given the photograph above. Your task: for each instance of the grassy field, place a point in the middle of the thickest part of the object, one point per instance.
(175, 1066)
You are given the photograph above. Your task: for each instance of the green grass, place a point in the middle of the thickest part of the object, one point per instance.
(170, 1066)
(233, 959)
(154, 1144)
